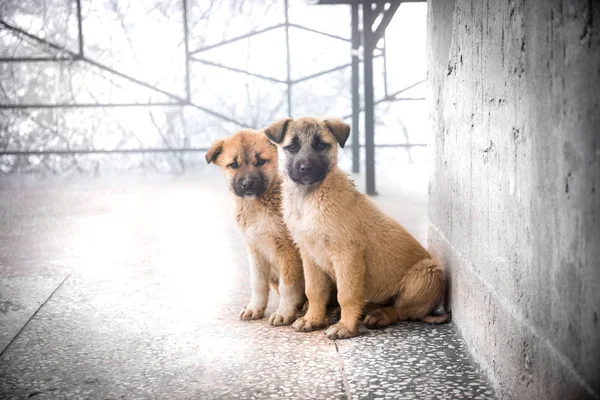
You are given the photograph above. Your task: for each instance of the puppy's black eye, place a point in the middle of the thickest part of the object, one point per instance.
(260, 161)
(319, 146)
(292, 148)
(234, 165)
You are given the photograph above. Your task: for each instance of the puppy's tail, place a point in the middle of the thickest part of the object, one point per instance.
(423, 292)
(437, 319)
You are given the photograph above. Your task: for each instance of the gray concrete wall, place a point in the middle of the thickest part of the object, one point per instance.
(514, 203)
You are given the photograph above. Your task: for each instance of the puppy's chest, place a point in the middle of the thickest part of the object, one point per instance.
(302, 218)
(258, 224)
(309, 229)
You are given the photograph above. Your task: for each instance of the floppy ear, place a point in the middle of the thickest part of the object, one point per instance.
(276, 131)
(339, 129)
(214, 151)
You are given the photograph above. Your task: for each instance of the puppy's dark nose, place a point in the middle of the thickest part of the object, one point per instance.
(247, 184)
(304, 168)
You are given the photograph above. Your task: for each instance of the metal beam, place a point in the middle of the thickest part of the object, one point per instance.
(148, 150)
(80, 28)
(405, 89)
(385, 72)
(327, 71)
(77, 56)
(368, 45)
(115, 72)
(86, 105)
(235, 39)
(157, 104)
(288, 60)
(188, 91)
(379, 7)
(355, 90)
(37, 39)
(321, 73)
(304, 28)
(98, 151)
(36, 59)
(221, 116)
(385, 21)
(390, 100)
(393, 97)
(393, 145)
(130, 78)
(238, 70)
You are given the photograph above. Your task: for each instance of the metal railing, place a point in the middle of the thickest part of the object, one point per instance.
(370, 38)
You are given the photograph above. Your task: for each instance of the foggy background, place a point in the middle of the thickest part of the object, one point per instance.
(123, 83)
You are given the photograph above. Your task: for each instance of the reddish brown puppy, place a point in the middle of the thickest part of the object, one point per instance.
(249, 161)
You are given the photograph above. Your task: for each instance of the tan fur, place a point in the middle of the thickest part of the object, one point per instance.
(274, 258)
(344, 239)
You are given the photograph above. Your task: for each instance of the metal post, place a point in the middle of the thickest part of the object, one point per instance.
(369, 106)
(188, 94)
(80, 28)
(355, 91)
(288, 62)
(385, 76)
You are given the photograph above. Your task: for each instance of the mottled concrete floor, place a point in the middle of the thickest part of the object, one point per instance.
(125, 289)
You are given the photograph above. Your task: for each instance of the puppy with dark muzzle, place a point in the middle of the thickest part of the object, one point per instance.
(345, 240)
(249, 161)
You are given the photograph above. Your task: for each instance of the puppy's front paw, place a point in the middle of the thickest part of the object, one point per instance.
(248, 313)
(277, 319)
(339, 331)
(305, 325)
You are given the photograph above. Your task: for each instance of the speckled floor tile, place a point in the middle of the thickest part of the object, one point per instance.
(151, 308)
(156, 277)
(411, 360)
(138, 339)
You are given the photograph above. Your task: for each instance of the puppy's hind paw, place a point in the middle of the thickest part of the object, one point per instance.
(304, 308)
(281, 319)
(305, 325)
(251, 313)
(377, 319)
(338, 331)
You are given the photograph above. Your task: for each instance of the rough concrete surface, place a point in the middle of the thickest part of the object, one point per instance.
(514, 208)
